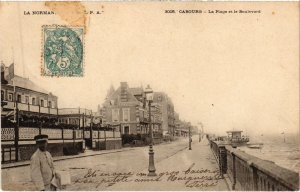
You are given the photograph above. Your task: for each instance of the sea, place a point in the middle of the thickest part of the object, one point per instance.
(282, 149)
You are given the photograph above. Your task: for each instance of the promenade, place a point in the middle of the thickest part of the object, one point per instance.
(177, 168)
(188, 166)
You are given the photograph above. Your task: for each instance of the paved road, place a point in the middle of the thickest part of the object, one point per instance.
(124, 170)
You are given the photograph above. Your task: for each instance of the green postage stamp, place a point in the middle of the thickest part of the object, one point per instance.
(62, 51)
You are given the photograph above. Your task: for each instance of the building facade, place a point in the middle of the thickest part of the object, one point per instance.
(167, 112)
(127, 107)
(32, 101)
(26, 111)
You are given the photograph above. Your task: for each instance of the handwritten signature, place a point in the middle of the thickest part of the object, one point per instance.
(191, 177)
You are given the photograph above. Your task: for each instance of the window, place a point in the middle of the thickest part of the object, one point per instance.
(53, 104)
(138, 129)
(159, 98)
(10, 97)
(26, 99)
(2, 95)
(126, 114)
(49, 104)
(33, 101)
(42, 103)
(19, 98)
(111, 102)
(126, 130)
(115, 115)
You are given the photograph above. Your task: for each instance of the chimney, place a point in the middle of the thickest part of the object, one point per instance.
(124, 92)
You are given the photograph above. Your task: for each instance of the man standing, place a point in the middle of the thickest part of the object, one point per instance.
(41, 166)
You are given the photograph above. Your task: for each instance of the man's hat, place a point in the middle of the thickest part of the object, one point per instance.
(41, 138)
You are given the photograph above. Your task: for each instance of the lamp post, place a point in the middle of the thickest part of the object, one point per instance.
(149, 98)
(190, 139)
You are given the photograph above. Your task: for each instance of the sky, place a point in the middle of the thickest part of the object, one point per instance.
(229, 72)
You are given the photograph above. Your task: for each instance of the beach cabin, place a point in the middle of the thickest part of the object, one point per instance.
(236, 137)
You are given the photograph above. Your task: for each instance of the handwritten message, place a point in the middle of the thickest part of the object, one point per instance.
(190, 177)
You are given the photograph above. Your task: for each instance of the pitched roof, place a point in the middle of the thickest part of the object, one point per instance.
(131, 95)
(27, 84)
(136, 91)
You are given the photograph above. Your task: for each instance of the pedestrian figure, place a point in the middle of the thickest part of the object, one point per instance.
(41, 166)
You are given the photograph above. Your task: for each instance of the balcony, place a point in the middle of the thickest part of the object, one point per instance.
(69, 111)
(31, 108)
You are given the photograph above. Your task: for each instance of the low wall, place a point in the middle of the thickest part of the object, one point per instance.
(247, 172)
(108, 144)
(113, 144)
(62, 141)
(73, 148)
(26, 151)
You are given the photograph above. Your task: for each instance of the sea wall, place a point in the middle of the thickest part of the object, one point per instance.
(247, 172)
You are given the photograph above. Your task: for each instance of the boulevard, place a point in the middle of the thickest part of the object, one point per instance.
(177, 168)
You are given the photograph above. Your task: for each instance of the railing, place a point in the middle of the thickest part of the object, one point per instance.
(109, 134)
(31, 108)
(35, 108)
(11, 140)
(28, 133)
(87, 134)
(102, 134)
(7, 134)
(68, 111)
(53, 111)
(68, 133)
(247, 172)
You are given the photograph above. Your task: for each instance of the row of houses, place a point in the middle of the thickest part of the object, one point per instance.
(124, 107)
(27, 110)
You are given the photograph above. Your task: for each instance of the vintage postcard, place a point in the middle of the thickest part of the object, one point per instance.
(149, 96)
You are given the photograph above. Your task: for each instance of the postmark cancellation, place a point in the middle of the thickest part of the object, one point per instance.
(62, 51)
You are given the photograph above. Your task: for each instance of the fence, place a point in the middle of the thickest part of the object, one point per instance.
(17, 143)
(247, 172)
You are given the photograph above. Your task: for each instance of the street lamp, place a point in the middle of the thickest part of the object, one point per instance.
(149, 98)
(190, 139)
